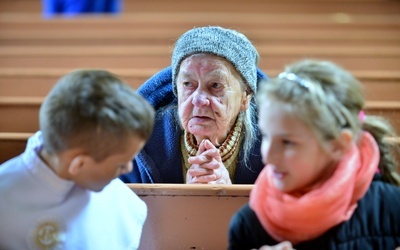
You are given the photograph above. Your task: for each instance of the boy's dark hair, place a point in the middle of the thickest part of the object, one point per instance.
(95, 111)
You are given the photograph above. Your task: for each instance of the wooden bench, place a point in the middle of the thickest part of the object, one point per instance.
(361, 35)
(268, 6)
(158, 56)
(13, 144)
(143, 36)
(189, 216)
(37, 82)
(66, 33)
(20, 114)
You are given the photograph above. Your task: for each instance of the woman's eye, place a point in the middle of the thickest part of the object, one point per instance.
(216, 85)
(187, 84)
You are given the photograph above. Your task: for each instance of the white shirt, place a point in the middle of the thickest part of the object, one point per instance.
(38, 210)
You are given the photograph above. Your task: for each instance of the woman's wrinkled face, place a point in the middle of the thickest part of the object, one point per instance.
(210, 97)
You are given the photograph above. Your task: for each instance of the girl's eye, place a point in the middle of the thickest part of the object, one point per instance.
(263, 135)
(288, 142)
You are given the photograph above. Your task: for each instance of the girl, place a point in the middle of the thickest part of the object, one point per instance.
(330, 181)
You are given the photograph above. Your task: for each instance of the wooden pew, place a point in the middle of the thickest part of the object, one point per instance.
(13, 144)
(269, 6)
(61, 34)
(173, 19)
(361, 40)
(37, 82)
(274, 56)
(143, 37)
(364, 37)
(20, 114)
(189, 216)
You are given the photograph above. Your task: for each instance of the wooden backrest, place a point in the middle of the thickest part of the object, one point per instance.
(193, 216)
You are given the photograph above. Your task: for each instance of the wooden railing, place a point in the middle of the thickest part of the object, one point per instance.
(198, 215)
(37, 82)
(13, 144)
(263, 6)
(272, 56)
(360, 35)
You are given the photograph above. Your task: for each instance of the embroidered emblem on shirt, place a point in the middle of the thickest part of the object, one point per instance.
(47, 235)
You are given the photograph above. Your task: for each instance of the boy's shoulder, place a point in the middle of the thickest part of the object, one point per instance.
(12, 169)
(124, 201)
(118, 193)
(119, 189)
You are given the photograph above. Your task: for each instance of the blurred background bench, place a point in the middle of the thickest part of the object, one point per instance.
(361, 35)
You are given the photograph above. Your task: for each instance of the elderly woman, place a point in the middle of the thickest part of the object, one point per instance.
(205, 128)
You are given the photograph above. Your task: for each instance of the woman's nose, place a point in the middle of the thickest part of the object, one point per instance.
(200, 99)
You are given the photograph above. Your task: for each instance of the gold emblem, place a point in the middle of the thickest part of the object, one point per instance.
(47, 235)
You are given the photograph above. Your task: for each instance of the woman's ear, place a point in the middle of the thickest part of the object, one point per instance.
(245, 101)
(342, 145)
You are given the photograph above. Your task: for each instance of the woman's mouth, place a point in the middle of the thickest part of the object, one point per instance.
(200, 119)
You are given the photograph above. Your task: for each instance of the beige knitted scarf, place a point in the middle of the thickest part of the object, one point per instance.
(229, 149)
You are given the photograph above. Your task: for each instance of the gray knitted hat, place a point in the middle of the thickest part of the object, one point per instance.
(226, 43)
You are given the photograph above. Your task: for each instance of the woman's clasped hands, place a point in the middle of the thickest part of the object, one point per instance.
(207, 166)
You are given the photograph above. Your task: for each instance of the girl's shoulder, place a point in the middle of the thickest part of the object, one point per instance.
(382, 201)
(384, 189)
(375, 222)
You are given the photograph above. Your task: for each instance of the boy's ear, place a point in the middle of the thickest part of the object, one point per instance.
(77, 164)
(342, 145)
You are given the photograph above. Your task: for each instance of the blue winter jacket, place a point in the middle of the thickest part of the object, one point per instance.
(160, 161)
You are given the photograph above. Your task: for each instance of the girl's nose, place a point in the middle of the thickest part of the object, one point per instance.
(270, 154)
(128, 167)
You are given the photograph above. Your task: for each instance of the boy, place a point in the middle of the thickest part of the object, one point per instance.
(62, 192)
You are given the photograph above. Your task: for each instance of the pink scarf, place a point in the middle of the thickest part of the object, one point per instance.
(298, 219)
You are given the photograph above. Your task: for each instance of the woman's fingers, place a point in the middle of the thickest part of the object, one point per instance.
(219, 176)
(205, 157)
(208, 144)
(204, 162)
(198, 171)
(199, 159)
(207, 166)
(204, 179)
(202, 147)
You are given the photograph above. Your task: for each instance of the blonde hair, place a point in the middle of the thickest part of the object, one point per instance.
(95, 111)
(328, 99)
